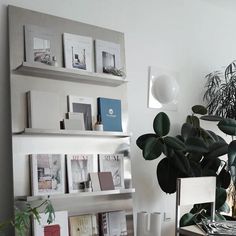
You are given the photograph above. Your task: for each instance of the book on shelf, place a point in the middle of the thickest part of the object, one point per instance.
(113, 163)
(95, 181)
(110, 112)
(43, 110)
(47, 174)
(113, 223)
(106, 181)
(57, 228)
(84, 225)
(78, 168)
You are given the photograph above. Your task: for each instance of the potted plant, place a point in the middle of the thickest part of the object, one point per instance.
(192, 153)
(22, 217)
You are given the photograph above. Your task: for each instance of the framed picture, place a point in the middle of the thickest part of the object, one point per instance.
(48, 174)
(78, 52)
(57, 228)
(83, 225)
(78, 168)
(39, 44)
(107, 56)
(113, 163)
(82, 105)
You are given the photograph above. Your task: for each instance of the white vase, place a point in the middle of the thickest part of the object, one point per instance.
(155, 224)
(142, 223)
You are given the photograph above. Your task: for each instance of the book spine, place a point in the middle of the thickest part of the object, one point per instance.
(104, 224)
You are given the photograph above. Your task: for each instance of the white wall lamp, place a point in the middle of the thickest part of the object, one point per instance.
(163, 89)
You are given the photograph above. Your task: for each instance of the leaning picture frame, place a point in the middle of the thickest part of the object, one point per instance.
(107, 56)
(79, 166)
(78, 52)
(40, 44)
(83, 105)
(47, 174)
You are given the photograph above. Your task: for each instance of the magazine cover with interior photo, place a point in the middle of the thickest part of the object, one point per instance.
(84, 225)
(78, 168)
(113, 163)
(58, 228)
(47, 174)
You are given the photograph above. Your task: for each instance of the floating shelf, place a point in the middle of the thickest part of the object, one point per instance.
(74, 75)
(77, 195)
(84, 133)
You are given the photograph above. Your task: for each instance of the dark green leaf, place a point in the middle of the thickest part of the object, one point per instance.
(174, 143)
(196, 157)
(199, 109)
(219, 217)
(195, 144)
(224, 179)
(181, 162)
(221, 196)
(152, 149)
(217, 149)
(50, 211)
(167, 175)
(143, 138)
(187, 219)
(193, 120)
(211, 118)
(196, 169)
(187, 131)
(167, 150)
(161, 124)
(228, 126)
(232, 153)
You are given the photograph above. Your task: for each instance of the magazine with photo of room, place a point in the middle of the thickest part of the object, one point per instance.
(78, 168)
(48, 174)
(77, 52)
(113, 163)
(82, 105)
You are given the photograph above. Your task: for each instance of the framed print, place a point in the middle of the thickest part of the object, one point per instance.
(48, 174)
(39, 44)
(82, 105)
(57, 228)
(78, 52)
(78, 168)
(113, 163)
(107, 56)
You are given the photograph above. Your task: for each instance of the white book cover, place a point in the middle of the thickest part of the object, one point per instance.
(117, 223)
(58, 227)
(77, 104)
(83, 225)
(47, 174)
(78, 52)
(78, 168)
(113, 163)
(43, 110)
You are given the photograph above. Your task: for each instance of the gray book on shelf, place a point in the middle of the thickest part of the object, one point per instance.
(43, 110)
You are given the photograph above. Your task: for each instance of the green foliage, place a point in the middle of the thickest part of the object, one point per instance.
(194, 152)
(21, 220)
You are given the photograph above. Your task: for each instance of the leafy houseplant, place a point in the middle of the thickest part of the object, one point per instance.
(194, 152)
(21, 220)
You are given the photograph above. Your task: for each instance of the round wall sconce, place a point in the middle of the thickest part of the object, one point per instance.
(163, 89)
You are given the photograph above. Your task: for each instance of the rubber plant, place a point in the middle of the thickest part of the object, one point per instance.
(194, 152)
(22, 217)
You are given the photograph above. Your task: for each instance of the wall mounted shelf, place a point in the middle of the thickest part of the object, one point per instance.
(65, 74)
(87, 133)
(77, 195)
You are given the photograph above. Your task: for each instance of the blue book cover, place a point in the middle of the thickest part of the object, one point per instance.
(110, 113)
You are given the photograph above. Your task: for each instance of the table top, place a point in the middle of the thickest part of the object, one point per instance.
(192, 230)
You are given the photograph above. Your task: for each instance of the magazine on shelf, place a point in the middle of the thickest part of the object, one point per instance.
(113, 163)
(59, 227)
(223, 228)
(47, 174)
(83, 225)
(78, 168)
(110, 112)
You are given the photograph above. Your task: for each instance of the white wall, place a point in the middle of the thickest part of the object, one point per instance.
(189, 36)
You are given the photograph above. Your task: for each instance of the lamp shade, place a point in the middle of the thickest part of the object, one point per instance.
(165, 88)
